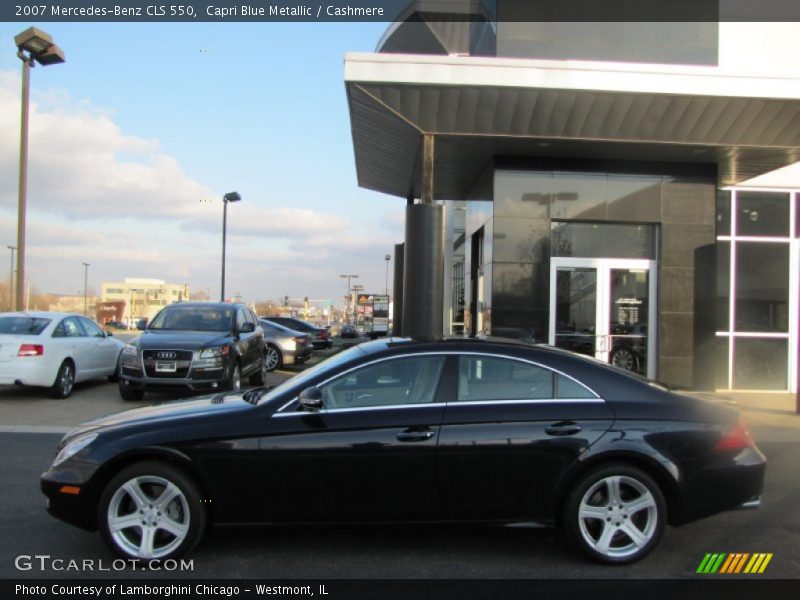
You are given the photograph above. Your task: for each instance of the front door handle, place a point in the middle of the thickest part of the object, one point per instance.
(416, 435)
(563, 428)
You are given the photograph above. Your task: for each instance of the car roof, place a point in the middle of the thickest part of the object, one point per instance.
(42, 314)
(205, 305)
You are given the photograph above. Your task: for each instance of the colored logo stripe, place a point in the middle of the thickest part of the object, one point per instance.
(723, 563)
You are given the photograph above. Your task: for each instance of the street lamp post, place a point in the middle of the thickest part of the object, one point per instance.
(356, 289)
(85, 288)
(347, 303)
(33, 45)
(11, 279)
(229, 197)
(387, 258)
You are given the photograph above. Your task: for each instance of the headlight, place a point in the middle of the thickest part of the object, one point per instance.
(130, 350)
(214, 352)
(74, 447)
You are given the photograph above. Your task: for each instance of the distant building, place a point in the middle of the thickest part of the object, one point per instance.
(141, 298)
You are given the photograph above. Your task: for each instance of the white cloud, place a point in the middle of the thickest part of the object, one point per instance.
(101, 195)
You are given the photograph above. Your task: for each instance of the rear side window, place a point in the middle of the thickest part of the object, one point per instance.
(19, 325)
(483, 378)
(571, 389)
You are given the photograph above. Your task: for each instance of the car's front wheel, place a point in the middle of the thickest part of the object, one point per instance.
(151, 510)
(129, 393)
(234, 382)
(615, 514)
(260, 376)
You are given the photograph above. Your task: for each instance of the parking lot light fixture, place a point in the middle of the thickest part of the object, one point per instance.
(33, 45)
(11, 279)
(227, 198)
(387, 258)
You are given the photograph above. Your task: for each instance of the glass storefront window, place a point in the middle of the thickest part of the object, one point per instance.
(762, 214)
(602, 240)
(723, 212)
(760, 364)
(723, 286)
(762, 287)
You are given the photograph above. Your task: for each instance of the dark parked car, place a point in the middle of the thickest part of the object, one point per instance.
(321, 338)
(396, 430)
(196, 346)
(349, 331)
(285, 346)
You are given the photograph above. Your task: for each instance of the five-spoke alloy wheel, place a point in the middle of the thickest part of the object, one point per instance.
(151, 510)
(616, 514)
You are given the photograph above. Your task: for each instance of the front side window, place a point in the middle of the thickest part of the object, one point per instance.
(399, 381)
(91, 328)
(484, 378)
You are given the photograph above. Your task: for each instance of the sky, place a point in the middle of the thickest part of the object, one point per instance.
(138, 135)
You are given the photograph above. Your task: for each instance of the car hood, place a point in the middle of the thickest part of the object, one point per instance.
(187, 340)
(167, 413)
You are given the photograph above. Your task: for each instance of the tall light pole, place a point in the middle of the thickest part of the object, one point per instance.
(229, 197)
(387, 258)
(33, 45)
(356, 289)
(85, 289)
(11, 280)
(347, 303)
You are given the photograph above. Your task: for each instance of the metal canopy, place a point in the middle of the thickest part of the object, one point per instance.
(559, 109)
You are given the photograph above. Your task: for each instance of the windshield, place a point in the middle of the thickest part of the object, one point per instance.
(18, 325)
(301, 380)
(194, 318)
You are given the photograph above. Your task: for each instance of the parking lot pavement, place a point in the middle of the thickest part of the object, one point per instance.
(32, 410)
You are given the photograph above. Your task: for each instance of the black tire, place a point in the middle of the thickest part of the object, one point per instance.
(114, 378)
(129, 393)
(625, 358)
(235, 376)
(619, 526)
(260, 376)
(273, 358)
(65, 380)
(173, 528)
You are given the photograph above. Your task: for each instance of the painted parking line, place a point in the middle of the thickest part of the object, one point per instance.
(32, 429)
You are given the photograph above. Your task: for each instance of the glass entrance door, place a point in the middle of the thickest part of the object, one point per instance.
(605, 307)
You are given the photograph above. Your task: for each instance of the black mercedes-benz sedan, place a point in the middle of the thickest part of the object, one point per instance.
(395, 430)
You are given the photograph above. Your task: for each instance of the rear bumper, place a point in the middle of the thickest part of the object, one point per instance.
(715, 490)
(26, 371)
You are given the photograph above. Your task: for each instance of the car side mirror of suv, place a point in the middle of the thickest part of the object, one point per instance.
(247, 327)
(311, 398)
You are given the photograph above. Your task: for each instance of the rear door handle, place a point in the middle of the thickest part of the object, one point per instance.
(563, 428)
(416, 435)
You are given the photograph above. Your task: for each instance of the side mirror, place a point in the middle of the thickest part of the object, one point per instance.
(311, 398)
(247, 327)
(141, 324)
(109, 334)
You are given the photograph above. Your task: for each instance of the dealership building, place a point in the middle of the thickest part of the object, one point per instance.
(624, 190)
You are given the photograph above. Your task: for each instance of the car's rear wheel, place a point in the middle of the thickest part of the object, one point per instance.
(129, 393)
(65, 380)
(273, 358)
(260, 376)
(615, 514)
(151, 510)
(625, 358)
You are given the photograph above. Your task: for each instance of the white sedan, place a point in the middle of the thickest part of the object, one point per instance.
(54, 350)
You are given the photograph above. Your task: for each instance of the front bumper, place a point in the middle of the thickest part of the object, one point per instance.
(76, 509)
(197, 380)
